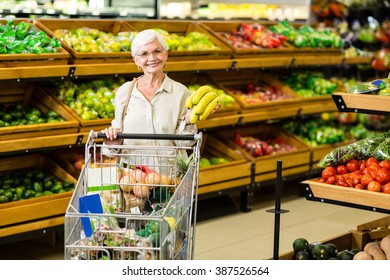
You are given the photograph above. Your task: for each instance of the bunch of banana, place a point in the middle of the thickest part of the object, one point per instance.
(202, 102)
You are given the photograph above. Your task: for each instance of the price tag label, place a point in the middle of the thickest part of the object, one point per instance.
(95, 12)
(14, 10)
(38, 11)
(27, 11)
(50, 11)
(123, 13)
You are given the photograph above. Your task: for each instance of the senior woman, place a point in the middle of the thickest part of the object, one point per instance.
(153, 103)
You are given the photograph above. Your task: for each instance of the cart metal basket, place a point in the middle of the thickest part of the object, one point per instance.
(135, 202)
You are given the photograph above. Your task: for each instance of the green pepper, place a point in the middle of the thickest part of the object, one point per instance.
(21, 30)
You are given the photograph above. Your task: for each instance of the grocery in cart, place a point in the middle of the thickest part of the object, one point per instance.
(135, 202)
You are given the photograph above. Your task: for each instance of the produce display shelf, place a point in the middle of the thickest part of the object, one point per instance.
(350, 197)
(312, 105)
(44, 142)
(317, 59)
(34, 72)
(358, 60)
(362, 103)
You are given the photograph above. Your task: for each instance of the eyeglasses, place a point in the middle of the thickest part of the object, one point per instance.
(155, 53)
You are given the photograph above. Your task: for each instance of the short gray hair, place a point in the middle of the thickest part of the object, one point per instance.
(145, 37)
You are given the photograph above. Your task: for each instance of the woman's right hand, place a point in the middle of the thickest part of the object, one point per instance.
(112, 134)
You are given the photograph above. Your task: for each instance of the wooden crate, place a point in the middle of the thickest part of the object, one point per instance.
(345, 241)
(265, 166)
(240, 83)
(66, 158)
(334, 193)
(30, 94)
(104, 25)
(331, 52)
(356, 238)
(83, 125)
(182, 28)
(34, 213)
(187, 79)
(238, 166)
(218, 28)
(25, 60)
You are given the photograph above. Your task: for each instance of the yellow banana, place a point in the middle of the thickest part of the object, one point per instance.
(189, 101)
(193, 117)
(209, 108)
(206, 99)
(200, 92)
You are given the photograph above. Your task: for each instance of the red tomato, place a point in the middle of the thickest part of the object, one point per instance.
(374, 186)
(352, 165)
(383, 176)
(360, 187)
(371, 160)
(385, 164)
(327, 172)
(331, 180)
(356, 180)
(341, 169)
(386, 188)
(357, 172)
(342, 183)
(362, 165)
(366, 179)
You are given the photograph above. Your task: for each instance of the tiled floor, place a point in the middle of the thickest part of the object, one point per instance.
(236, 235)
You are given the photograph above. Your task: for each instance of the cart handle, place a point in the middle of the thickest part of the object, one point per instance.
(186, 137)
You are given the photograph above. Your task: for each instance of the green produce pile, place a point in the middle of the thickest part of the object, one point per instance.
(91, 40)
(16, 114)
(308, 84)
(306, 36)
(23, 38)
(376, 146)
(25, 184)
(314, 131)
(303, 250)
(91, 100)
(193, 41)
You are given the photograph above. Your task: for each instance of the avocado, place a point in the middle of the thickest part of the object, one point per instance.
(300, 244)
(345, 255)
(302, 255)
(320, 252)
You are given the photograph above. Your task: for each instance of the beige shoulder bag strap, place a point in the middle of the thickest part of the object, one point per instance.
(127, 101)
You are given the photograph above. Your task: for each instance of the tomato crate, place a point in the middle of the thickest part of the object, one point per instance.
(364, 199)
(183, 28)
(222, 28)
(295, 160)
(266, 82)
(85, 57)
(32, 95)
(191, 79)
(233, 171)
(39, 212)
(32, 59)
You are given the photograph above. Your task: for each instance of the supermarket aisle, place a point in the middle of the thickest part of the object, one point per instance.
(237, 235)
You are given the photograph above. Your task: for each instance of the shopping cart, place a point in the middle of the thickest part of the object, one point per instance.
(135, 202)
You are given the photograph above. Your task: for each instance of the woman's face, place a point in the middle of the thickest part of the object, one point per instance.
(151, 57)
